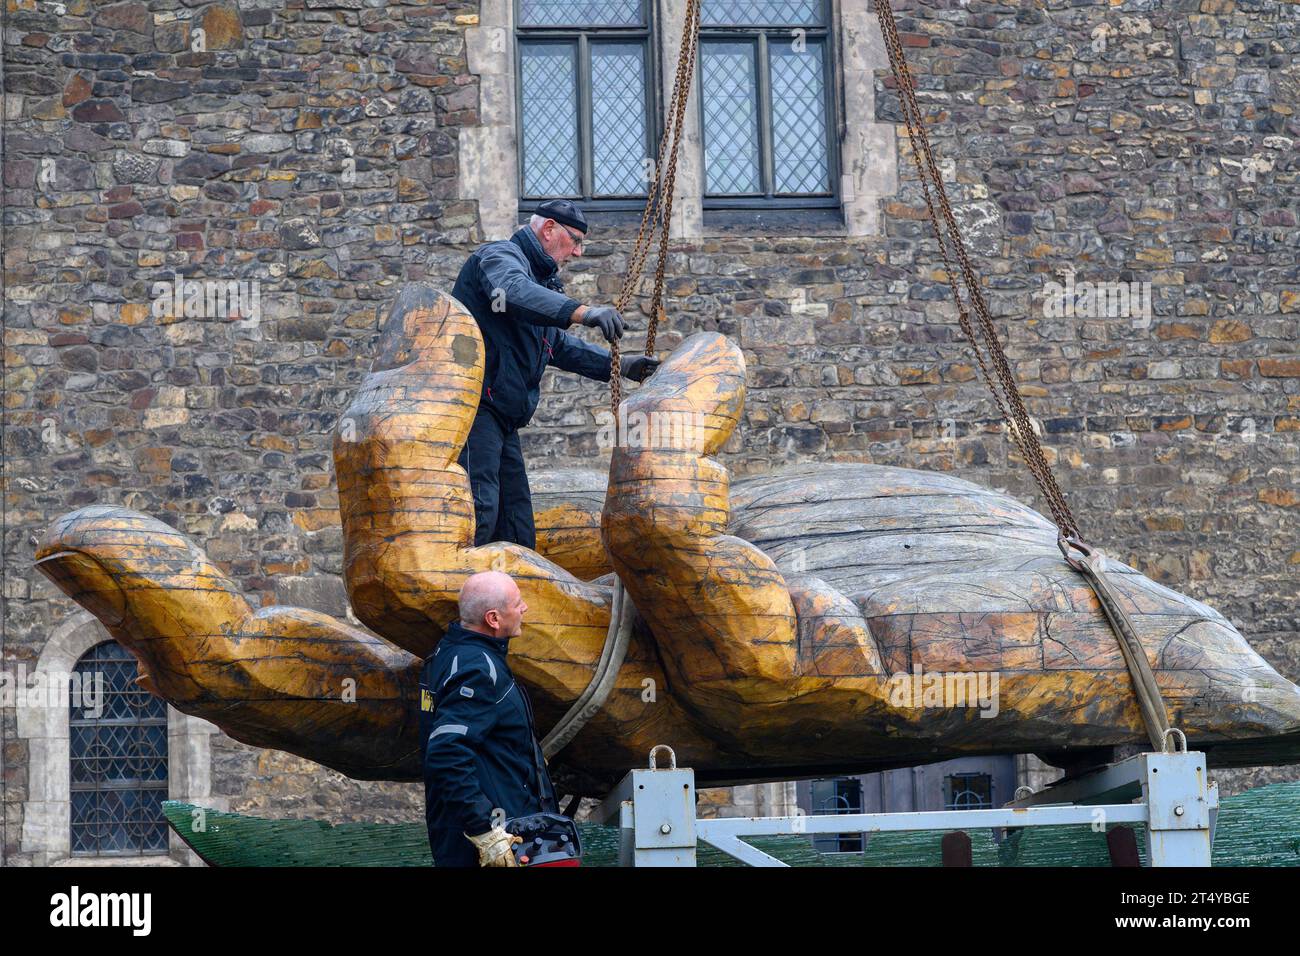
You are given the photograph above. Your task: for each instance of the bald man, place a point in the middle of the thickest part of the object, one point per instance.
(482, 762)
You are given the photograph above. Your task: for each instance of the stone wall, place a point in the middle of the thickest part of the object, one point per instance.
(312, 146)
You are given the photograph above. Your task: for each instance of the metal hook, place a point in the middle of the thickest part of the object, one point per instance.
(1065, 543)
(1167, 735)
(1092, 557)
(672, 757)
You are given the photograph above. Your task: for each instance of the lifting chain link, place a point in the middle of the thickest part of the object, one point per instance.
(657, 216)
(1005, 391)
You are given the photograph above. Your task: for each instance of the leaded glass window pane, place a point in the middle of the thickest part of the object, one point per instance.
(799, 154)
(618, 119)
(550, 119)
(580, 13)
(968, 791)
(775, 13)
(730, 95)
(842, 795)
(122, 822)
(118, 753)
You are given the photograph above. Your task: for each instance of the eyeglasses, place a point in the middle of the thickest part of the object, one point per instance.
(576, 240)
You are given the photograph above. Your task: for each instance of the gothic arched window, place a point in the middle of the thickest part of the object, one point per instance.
(118, 748)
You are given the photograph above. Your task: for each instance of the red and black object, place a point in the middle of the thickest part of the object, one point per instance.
(549, 839)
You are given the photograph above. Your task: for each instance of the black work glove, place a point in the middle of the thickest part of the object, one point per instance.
(605, 318)
(637, 367)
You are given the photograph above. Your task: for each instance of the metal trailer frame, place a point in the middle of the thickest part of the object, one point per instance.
(1176, 803)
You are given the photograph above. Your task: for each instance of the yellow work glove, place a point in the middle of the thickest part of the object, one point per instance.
(494, 847)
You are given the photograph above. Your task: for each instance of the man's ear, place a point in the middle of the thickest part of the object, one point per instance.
(492, 619)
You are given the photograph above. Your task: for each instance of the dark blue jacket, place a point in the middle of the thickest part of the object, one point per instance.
(480, 745)
(511, 289)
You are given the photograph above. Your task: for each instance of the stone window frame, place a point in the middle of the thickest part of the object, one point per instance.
(47, 811)
(868, 153)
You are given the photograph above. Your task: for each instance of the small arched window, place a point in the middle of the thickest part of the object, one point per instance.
(118, 745)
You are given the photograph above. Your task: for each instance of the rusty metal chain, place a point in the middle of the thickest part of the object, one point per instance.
(1004, 390)
(657, 216)
(1092, 564)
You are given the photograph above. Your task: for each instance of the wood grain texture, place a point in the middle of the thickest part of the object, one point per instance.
(566, 512)
(282, 677)
(774, 612)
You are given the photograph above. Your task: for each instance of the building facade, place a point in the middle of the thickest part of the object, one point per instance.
(317, 154)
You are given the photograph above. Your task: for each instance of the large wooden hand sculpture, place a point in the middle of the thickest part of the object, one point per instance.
(774, 618)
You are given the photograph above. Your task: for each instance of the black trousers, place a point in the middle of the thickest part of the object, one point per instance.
(503, 504)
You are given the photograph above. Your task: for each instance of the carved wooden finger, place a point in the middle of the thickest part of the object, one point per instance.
(281, 677)
(408, 529)
(566, 512)
(405, 503)
(717, 605)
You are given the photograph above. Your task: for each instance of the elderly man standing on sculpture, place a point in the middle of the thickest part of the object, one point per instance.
(512, 290)
(482, 762)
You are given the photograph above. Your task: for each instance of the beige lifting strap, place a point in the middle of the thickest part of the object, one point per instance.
(1007, 394)
(1092, 566)
(657, 219)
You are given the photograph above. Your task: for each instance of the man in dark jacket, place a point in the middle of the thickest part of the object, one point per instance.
(512, 290)
(482, 762)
